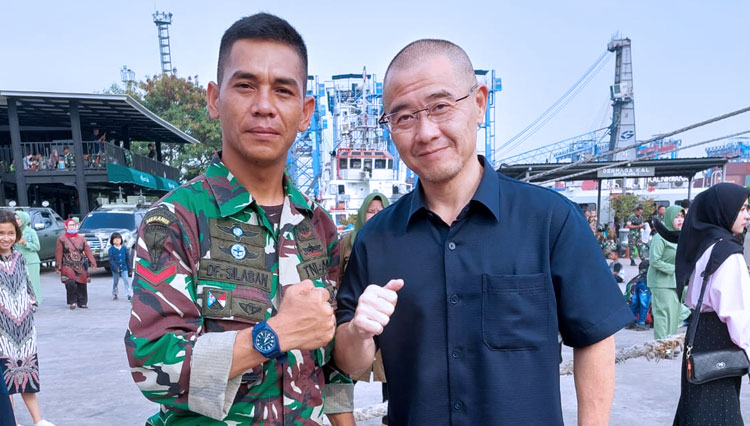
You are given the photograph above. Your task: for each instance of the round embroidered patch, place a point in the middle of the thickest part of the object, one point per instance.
(237, 231)
(239, 251)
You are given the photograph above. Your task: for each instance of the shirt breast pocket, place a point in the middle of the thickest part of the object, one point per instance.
(515, 311)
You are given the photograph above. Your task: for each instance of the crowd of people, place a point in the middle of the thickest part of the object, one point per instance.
(94, 156)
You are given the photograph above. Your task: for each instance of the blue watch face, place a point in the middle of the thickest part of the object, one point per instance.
(265, 341)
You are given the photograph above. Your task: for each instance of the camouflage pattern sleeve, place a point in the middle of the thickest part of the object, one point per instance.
(172, 361)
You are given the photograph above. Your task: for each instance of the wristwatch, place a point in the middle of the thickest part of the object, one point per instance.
(266, 341)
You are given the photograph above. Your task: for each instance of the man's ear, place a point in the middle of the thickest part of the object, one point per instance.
(480, 102)
(212, 99)
(308, 107)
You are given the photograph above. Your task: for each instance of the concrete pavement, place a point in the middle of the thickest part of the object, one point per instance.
(85, 379)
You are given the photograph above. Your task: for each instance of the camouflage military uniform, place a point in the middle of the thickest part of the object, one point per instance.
(608, 246)
(634, 237)
(209, 263)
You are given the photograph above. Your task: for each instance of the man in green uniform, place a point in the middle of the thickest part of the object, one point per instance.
(635, 225)
(231, 320)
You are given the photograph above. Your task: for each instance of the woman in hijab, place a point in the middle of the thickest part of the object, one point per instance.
(29, 246)
(708, 243)
(71, 255)
(665, 305)
(339, 410)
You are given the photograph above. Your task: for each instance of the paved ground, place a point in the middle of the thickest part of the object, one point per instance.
(85, 379)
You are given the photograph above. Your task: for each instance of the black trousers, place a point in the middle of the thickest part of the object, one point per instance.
(76, 293)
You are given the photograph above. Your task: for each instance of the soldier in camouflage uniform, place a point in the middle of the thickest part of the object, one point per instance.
(231, 321)
(635, 225)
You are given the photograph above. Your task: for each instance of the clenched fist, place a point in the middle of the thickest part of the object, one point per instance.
(374, 308)
(305, 319)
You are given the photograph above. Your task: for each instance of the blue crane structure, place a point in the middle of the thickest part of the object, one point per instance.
(303, 163)
(738, 149)
(494, 84)
(360, 94)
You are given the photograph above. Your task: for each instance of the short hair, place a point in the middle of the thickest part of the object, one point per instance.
(263, 27)
(113, 236)
(685, 204)
(9, 216)
(417, 51)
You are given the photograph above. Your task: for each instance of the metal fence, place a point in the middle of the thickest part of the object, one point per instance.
(52, 156)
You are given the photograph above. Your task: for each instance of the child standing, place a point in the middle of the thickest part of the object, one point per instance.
(118, 263)
(18, 352)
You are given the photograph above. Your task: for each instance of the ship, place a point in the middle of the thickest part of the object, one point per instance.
(363, 159)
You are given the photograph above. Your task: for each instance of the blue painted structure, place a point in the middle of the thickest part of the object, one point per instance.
(303, 162)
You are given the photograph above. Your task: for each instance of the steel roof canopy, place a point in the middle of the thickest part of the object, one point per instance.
(686, 167)
(110, 113)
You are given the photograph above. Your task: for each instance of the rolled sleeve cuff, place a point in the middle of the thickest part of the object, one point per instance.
(211, 392)
(339, 398)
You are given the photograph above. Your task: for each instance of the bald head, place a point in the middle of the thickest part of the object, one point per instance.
(418, 51)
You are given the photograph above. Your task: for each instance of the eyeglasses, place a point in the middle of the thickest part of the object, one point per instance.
(438, 111)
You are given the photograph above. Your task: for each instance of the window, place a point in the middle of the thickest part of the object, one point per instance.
(343, 163)
(46, 219)
(390, 164)
(342, 189)
(356, 163)
(97, 220)
(380, 163)
(368, 164)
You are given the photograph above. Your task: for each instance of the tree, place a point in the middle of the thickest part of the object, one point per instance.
(182, 102)
(622, 205)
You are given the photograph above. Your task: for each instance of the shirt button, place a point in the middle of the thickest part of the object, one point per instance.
(456, 353)
(451, 245)
(455, 299)
(458, 405)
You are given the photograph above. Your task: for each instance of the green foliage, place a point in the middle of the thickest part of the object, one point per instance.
(622, 205)
(181, 102)
(351, 220)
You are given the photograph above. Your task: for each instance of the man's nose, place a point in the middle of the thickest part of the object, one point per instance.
(263, 104)
(425, 129)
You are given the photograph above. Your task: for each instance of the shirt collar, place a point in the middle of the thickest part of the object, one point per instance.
(231, 196)
(486, 195)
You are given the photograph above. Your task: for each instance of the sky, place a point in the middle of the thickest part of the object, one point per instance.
(691, 59)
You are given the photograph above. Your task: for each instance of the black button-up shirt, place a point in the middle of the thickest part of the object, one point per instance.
(474, 337)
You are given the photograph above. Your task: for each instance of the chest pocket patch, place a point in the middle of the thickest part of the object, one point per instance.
(237, 253)
(313, 252)
(225, 304)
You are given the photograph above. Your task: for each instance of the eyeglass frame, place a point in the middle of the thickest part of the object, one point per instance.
(384, 119)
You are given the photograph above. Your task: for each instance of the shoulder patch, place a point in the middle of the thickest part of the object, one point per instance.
(156, 231)
(160, 216)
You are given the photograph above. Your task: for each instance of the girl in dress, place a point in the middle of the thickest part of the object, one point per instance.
(18, 352)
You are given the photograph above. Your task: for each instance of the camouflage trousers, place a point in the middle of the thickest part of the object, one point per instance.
(637, 247)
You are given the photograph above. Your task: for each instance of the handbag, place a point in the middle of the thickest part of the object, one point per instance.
(706, 366)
